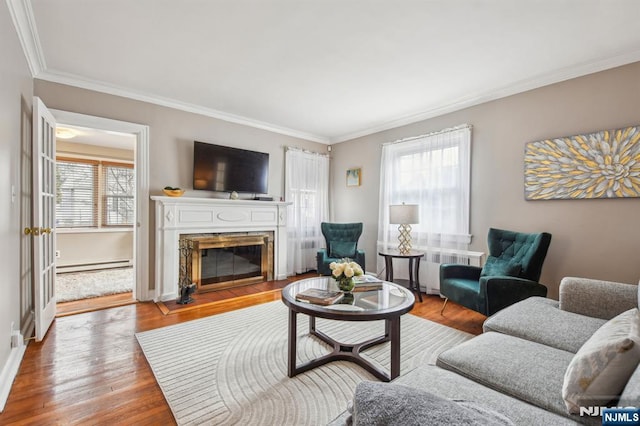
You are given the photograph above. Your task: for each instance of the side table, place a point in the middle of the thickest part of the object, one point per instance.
(414, 268)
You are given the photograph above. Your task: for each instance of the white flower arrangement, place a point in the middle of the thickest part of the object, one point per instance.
(344, 271)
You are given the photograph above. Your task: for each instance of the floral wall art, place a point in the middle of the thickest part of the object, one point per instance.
(604, 164)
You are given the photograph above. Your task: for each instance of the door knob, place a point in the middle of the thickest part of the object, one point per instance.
(31, 231)
(45, 230)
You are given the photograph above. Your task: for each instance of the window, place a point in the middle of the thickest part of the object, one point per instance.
(433, 172)
(93, 193)
(119, 187)
(307, 187)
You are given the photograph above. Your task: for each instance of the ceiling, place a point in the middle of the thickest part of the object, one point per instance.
(323, 70)
(97, 137)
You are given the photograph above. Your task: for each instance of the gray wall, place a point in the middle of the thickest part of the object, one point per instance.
(591, 238)
(16, 92)
(172, 133)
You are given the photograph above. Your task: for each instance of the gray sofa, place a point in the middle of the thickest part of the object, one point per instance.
(517, 366)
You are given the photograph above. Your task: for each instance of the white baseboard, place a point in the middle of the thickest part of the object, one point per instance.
(10, 371)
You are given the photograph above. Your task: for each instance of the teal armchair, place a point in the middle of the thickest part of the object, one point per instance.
(510, 274)
(341, 241)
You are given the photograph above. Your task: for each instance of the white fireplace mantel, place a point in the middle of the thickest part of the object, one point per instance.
(186, 215)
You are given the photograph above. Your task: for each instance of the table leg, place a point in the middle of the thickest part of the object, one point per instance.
(388, 264)
(394, 328)
(414, 276)
(293, 335)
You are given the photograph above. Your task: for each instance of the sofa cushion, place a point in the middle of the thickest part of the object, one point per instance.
(392, 404)
(600, 370)
(526, 370)
(340, 249)
(539, 320)
(499, 267)
(631, 394)
(449, 385)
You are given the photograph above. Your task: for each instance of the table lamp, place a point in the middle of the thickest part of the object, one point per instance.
(404, 215)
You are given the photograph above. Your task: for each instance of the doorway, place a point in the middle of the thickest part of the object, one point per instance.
(102, 211)
(95, 206)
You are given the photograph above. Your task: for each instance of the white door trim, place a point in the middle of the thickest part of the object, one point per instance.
(141, 236)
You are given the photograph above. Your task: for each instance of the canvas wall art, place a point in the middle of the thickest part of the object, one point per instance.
(604, 164)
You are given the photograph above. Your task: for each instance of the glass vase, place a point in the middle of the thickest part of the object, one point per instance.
(346, 284)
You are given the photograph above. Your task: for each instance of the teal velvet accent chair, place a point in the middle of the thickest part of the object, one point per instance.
(341, 241)
(510, 274)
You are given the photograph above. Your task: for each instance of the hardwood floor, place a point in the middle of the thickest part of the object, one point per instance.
(91, 370)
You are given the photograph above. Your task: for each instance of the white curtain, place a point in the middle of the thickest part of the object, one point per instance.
(432, 171)
(307, 187)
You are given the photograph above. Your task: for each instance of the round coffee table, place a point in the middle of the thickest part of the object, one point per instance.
(388, 303)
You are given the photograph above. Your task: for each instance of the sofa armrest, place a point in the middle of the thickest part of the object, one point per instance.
(597, 298)
(452, 270)
(504, 291)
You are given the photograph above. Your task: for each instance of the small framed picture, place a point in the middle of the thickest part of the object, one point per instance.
(353, 177)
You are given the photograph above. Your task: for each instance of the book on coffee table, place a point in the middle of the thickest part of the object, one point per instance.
(320, 296)
(367, 283)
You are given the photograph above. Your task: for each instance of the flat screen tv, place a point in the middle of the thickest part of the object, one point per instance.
(226, 169)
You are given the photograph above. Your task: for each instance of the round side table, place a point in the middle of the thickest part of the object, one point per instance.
(413, 283)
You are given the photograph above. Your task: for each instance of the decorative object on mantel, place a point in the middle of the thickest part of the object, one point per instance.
(353, 177)
(185, 285)
(343, 272)
(233, 195)
(604, 164)
(173, 192)
(404, 215)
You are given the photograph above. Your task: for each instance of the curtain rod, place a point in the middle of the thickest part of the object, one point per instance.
(306, 151)
(450, 129)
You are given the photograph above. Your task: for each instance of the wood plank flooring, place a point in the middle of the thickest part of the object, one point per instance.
(90, 369)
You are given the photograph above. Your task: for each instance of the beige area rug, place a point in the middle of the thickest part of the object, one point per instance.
(83, 285)
(232, 368)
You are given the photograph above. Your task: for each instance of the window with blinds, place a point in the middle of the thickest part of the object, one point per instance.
(93, 193)
(118, 190)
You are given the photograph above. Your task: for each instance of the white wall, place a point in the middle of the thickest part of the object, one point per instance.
(16, 91)
(92, 247)
(591, 238)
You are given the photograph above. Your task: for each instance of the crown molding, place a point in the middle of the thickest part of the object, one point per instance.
(478, 98)
(24, 21)
(98, 86)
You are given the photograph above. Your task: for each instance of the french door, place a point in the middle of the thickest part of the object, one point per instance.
(43, 222)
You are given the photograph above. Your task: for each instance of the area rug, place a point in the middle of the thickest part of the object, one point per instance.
(232, 368)
(83, 285)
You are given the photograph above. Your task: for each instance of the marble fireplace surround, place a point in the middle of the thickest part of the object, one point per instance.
(176, 216)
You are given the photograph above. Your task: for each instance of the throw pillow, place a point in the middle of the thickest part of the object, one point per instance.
(342, 249)
(602, 367)
(495, 267)
(391, 404)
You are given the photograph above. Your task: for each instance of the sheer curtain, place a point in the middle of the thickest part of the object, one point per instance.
(307, 187)
(432, 171)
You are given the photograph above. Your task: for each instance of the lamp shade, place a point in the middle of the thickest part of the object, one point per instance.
(404, 214)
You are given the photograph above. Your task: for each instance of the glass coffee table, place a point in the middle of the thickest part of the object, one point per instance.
(388, 303)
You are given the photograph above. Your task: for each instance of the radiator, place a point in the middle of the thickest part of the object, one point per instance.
(430, 266)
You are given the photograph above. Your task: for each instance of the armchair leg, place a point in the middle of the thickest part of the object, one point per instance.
(444, 306)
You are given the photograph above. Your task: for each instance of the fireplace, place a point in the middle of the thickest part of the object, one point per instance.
(228, 260)
(177, 217)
